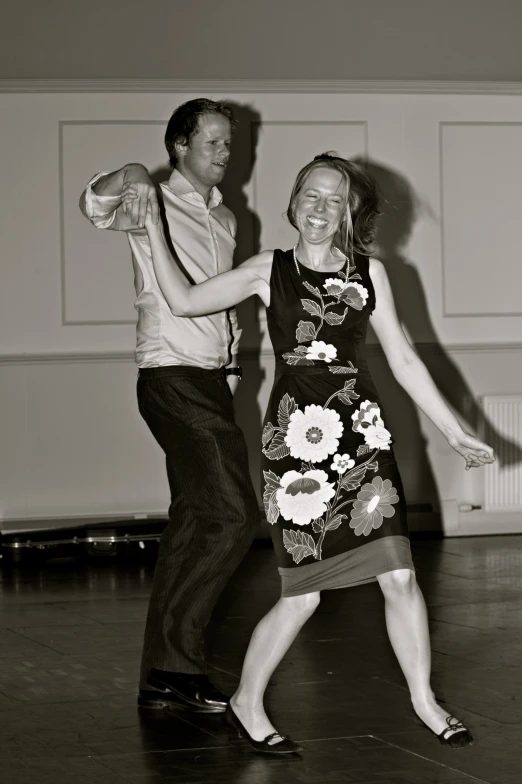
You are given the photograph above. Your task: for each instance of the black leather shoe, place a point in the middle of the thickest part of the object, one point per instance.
(164, 701)
(454, 736)
(270, 744)
(191, 692)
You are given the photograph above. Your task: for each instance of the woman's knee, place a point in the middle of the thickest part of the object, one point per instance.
(399, 582)
(305, 604)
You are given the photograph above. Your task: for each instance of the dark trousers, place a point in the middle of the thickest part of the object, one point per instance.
(213, 511)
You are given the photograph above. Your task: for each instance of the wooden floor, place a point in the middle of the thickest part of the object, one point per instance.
(71, 635)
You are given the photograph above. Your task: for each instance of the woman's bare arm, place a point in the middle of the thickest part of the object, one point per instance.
(218, 293)
(412, 374)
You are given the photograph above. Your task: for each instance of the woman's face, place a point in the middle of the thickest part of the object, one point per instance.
(320, 205)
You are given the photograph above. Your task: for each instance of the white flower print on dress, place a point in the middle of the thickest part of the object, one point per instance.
(355, 294)
(342, 291)
(316, 496)
(334, 286)
(321, 350)
(368, 421)
(352, 293)
(303, 497)
(342, 463)
(377, 437)
(314, 433)
(374, 501)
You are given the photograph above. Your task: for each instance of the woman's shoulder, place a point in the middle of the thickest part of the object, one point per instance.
(261, 259)
(271, 264)
(282, 255)
(375, 265)
(379, 279)
(260, 264)
(267, 257)
(376, 269)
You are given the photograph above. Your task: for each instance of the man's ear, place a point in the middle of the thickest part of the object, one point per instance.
(181, 146)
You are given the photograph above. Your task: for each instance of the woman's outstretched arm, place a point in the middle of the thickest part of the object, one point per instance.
(413, 376)
(218, 293)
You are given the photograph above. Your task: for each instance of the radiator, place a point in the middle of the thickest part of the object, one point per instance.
(502, 429)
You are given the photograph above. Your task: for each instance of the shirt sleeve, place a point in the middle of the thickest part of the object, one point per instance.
(100, 210)
(236, 332)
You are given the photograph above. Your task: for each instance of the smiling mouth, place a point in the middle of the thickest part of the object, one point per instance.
(223, 164)
(317, 223)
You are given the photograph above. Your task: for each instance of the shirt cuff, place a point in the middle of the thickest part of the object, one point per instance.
(101, 210)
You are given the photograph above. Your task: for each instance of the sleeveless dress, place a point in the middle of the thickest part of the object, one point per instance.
(331, 487)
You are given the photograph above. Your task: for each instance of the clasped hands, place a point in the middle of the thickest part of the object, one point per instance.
(139, 199)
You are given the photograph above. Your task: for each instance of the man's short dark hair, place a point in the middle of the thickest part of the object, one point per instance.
(185, 121)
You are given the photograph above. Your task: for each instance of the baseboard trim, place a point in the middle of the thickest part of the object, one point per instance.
(26, 534)
(480, 523)
(25, 525)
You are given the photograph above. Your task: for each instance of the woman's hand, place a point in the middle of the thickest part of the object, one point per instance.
(474, 451)
(151, 223)
(130, 198)
(139, 197)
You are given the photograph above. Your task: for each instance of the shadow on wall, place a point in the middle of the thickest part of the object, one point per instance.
(239, 173)
(400, 208)
(249, 415)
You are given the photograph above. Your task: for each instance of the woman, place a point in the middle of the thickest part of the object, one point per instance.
(332, 490)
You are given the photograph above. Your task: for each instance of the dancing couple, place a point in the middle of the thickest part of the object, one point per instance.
(331, 487)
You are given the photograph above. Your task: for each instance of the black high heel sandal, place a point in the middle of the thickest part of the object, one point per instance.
(454, 736)
(285, 746)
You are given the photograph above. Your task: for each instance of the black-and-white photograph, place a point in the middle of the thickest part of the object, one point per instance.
(261, 392)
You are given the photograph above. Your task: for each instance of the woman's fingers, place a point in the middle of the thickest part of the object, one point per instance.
(154, 207)
(128, 194)
(475, 458)
(148, 201)
(137, 200)
(135, 208)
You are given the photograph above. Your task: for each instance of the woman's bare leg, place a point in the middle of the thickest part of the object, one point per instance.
(270, 641)
(407, 624)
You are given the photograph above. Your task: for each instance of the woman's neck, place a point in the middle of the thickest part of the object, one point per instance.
(318, 257)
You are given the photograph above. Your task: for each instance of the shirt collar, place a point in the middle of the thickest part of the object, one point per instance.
(180, 186)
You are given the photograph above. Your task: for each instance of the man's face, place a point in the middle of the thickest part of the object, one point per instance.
(204, 161)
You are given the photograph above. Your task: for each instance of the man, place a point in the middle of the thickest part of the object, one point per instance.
(187, 374)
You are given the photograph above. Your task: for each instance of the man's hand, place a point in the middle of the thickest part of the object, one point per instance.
(139, 194)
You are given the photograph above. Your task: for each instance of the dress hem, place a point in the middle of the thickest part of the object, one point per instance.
(349, 569)
(364, 581)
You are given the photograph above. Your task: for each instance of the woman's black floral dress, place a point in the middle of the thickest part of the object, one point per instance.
(332, 490)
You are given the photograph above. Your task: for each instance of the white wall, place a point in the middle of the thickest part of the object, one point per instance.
(72, 442)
